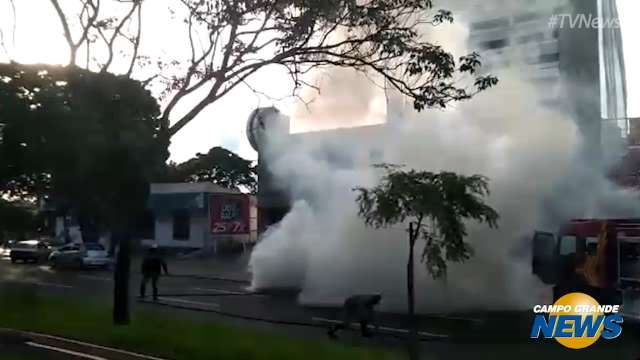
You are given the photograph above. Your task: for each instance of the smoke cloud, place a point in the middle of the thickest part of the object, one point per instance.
(529, 152)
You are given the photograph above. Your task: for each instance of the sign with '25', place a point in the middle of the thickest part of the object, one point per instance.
(229, 214)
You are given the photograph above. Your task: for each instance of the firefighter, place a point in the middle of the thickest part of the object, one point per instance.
(360, 308)
(152, 266)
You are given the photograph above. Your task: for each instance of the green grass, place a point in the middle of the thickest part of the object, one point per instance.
(164, 335)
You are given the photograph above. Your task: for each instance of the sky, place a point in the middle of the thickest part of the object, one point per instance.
(38, 39)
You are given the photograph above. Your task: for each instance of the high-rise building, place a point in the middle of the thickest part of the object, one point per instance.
(517, 34)
(575, 60)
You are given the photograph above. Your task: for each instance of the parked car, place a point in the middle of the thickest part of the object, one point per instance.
(29, 251)
(80, 255)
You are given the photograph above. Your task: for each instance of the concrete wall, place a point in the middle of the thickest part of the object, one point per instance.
(198, 232)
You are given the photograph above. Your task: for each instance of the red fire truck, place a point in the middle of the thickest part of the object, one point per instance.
(600, 257)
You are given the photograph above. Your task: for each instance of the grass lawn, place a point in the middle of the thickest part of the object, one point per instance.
(162, 334)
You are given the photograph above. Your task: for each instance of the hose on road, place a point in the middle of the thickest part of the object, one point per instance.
(266, 320)
(212, 294)
(203, 277)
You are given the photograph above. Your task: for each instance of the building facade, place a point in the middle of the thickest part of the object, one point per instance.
(200, 216)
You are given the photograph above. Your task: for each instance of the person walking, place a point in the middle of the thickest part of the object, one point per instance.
(152, 267)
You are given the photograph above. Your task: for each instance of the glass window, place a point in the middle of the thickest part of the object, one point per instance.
(535, 37)
(181, 225)
(527, 17)
(545, 58)
(630, 259)
(592, 246)
(494, 44)
(490, 24)
(94, 247)
(568, 245)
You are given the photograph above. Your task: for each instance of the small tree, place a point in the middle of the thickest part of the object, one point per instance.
(436, 206)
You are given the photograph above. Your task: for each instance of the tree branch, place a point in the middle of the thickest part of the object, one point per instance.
(67, 32)
(136, 43)
(117, 32)
(74, 46)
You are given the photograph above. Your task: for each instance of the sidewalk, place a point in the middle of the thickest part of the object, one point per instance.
(232, 267)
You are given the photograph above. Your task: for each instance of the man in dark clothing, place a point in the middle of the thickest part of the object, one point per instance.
(152, 266)
(361, 308)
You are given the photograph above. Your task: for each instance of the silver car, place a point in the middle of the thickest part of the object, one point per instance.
(80, 256)
(29, 251)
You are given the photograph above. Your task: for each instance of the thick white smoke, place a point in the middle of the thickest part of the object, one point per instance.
(528, 152)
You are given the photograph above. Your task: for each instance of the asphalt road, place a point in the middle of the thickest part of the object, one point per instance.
(32, 346)
(468, 336)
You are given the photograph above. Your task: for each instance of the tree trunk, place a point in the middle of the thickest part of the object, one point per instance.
(413, 331)
(88, 229)
(121, 279)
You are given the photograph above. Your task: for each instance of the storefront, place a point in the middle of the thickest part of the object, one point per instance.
(200, 215)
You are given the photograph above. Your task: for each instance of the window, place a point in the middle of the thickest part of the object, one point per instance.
(494, 44)
(181, 225)
(592, 246)
(630, 259)
(490, 24)
(545, 58)
(568, 245)
(526, 17)
(535, 37)
(94, 247)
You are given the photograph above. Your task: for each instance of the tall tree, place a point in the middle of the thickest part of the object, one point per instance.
(92, 139)
(16, 220)
(219, 166)
(97, 30)
(434, 207)
(231, 40)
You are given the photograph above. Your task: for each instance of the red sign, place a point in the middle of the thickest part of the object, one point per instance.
(229, 214)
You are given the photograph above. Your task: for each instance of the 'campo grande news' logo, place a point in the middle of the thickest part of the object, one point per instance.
(577, 321)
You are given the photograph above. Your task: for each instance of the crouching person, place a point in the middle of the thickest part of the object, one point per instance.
(360, 308)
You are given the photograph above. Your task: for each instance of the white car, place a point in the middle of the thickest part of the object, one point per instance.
(80, 255)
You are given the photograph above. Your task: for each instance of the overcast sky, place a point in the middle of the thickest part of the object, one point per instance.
(38, 39)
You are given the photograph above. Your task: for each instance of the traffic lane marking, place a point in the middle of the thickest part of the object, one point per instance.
(38, 283)
(386, 328)
(44, 337)
(65, 351)
(189, 302)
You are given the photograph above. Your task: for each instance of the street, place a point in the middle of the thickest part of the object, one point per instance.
(208, 299)
(39, 346)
